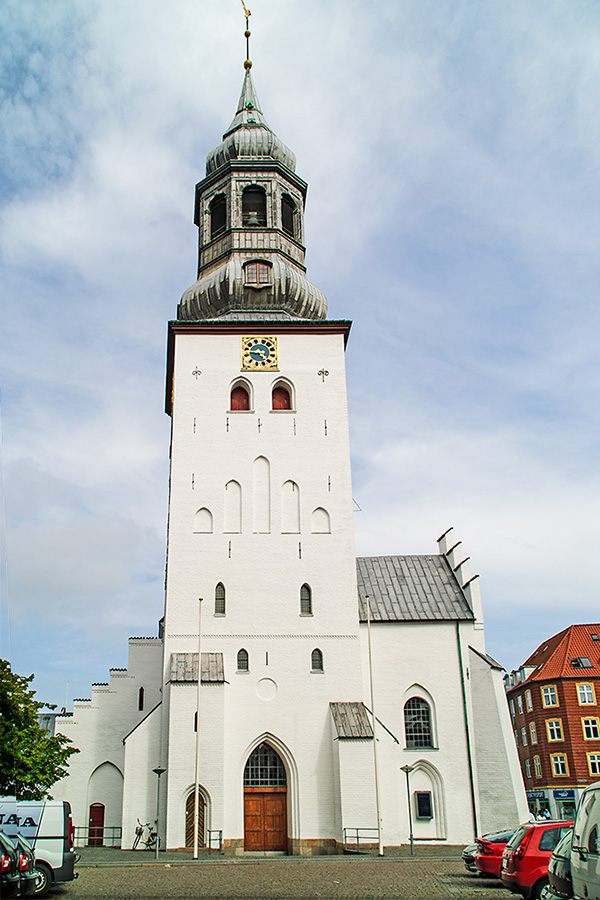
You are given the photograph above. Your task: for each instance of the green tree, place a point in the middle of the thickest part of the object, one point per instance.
(31, 759)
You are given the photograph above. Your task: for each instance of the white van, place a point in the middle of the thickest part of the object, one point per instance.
(48, 826)
(585, 849)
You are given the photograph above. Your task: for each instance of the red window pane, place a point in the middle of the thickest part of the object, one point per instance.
(240, 398)
(281, 398)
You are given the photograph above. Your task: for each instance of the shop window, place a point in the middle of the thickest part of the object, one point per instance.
(254, 207)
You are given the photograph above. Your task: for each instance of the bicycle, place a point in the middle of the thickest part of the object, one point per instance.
(146, 835)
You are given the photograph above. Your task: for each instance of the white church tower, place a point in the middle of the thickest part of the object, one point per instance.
(260, 527)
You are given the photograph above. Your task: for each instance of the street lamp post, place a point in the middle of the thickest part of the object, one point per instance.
(158, 772)
(407, 770)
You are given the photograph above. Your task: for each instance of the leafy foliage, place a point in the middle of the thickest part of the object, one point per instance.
(31, 759)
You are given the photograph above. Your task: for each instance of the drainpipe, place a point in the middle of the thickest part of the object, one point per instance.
(467, 732)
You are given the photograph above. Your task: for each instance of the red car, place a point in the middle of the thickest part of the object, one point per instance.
(488, 856)
(527, 854)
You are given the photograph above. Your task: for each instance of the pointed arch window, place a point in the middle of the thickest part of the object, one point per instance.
(218, 215)
(240, 399)
(417, 723)
(305, 600)
(280, 398)
(243, 661)
(220, 599)
(316, 661)
(288, 210)
(254, 207)
(264, 768)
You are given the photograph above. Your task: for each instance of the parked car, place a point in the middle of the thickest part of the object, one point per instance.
(468, 856)
(9, 868)
(488, 856)
(585, 849)
(526, 856)
(560, 885)
(29, 877)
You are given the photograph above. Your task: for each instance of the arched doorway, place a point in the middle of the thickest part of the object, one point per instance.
(96, 825)
(189, 821)
(265, 801)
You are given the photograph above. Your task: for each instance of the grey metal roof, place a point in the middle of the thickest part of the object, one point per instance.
(493, 663)
(184, 667)
(410, 589)
(351, 720)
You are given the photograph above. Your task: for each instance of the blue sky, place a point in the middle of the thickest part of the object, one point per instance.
(452, 151)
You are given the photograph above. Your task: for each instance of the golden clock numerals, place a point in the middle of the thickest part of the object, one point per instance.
(259, 352)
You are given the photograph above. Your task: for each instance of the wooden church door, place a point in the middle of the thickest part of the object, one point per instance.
(96, 825)
(189, 821)
(265, 801)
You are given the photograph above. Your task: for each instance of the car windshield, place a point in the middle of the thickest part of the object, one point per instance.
(518, 837)
(498, 837)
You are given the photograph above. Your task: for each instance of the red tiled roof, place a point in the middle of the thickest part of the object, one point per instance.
(553, 658)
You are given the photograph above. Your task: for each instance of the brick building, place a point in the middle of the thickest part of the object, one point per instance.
(554, 705)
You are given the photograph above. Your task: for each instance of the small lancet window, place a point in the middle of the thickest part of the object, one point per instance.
(243, 663)
(254, 207)
(288, 208)
(218, 215)
(281, 398)
(305, 600)
(220, 600)
(258, 273)
(316, 661)
(141, 699)
(240, 398)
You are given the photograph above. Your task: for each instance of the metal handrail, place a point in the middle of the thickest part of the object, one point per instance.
(213, 835)
(353, 836)
(111, 835)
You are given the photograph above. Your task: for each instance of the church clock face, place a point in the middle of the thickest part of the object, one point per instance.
(259, 353)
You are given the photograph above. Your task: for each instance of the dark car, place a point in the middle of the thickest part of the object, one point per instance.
(527, 854)
(9, 868)
(560, 885)
(28, 875)
(488, 856)
(468, 856)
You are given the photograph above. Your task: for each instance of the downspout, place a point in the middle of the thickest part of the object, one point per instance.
(467, 732)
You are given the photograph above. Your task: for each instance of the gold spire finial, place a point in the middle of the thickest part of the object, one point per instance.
(247, 13)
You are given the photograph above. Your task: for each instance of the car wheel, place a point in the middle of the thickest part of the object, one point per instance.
(538, 887)
(43, 881)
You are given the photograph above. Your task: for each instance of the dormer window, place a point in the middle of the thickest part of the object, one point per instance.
(254, 207)
(218, 215)
(288, 208)
(258, 273)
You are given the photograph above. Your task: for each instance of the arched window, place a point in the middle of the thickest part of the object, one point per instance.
(243, 663)
(316, 661)
(264, 768)
(305, 600)
(257, 273)
(240, 398)
(280, 398)
(254, 207)
(218, 215)
(417, 723)
(141, 699)
(288, 208)
(220, 600)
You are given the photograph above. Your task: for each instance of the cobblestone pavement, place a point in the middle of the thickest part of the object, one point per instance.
(285, 878)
